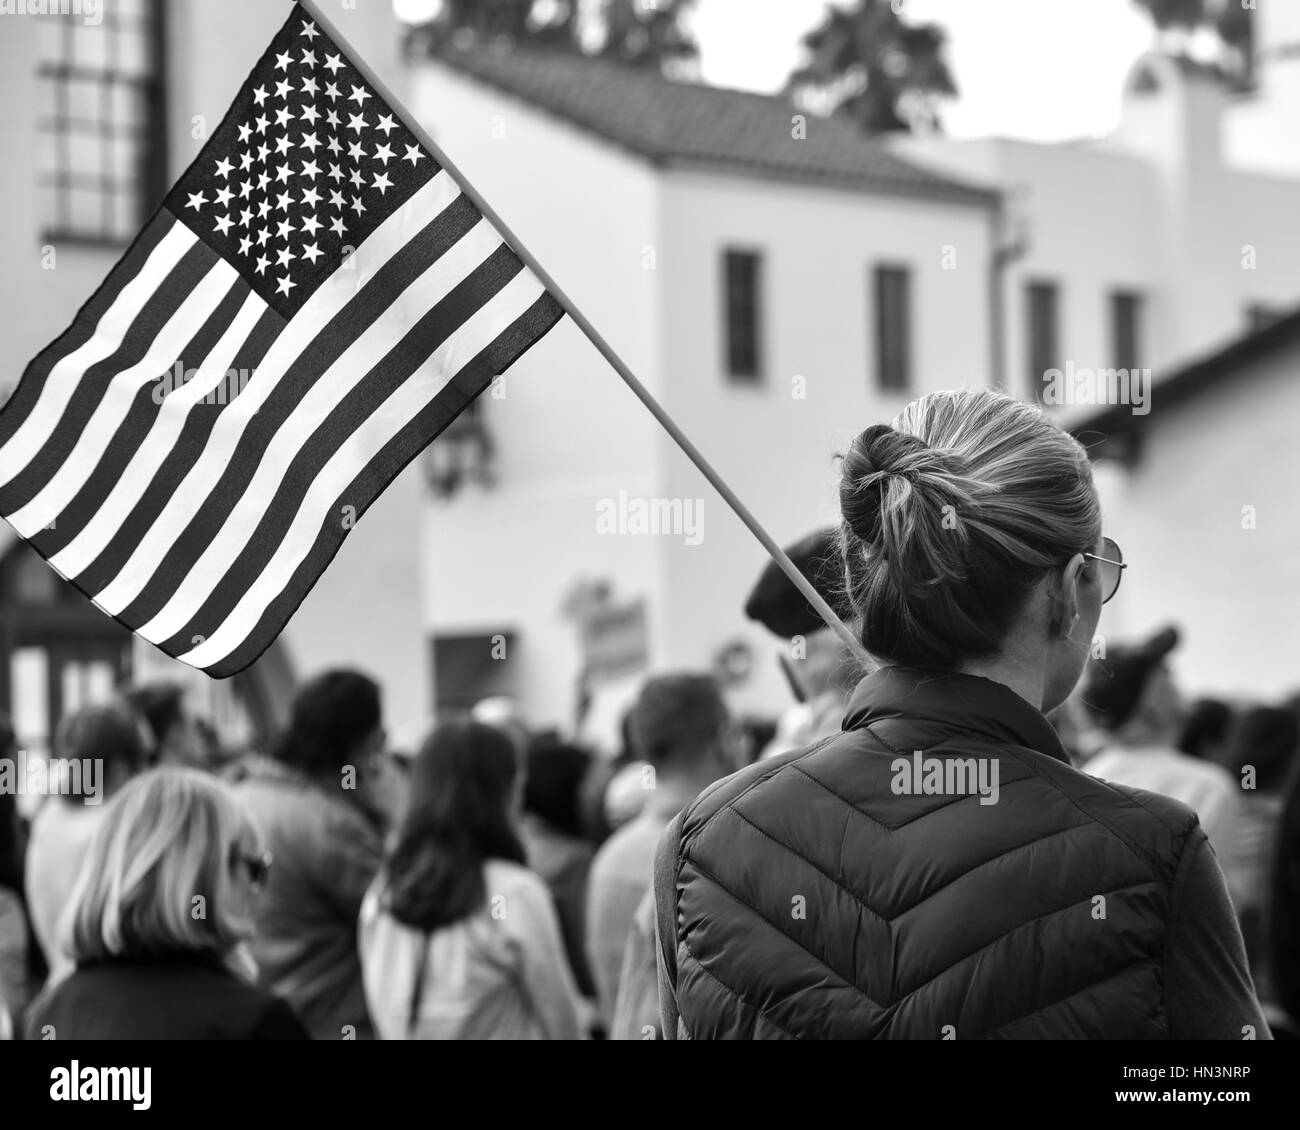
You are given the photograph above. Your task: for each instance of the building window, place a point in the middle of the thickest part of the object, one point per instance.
(744, 297)
(1043, 313)
(1126, 329)
(891, 290)
(101, 122)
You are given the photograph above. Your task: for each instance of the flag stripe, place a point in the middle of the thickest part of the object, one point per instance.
(111, 539)
(381, 262)
(231, 510)
(402, 363)
(135, 349)
(78, 368)
(371, 482)
(100, 405)
(420, 269)
(145, 415)
(334, 316)
(25, 396)
(489, 323)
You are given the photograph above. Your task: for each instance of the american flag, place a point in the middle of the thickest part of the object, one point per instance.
(314, 301)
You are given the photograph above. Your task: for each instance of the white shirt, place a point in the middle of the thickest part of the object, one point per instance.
(499, 974)
(1207, 789)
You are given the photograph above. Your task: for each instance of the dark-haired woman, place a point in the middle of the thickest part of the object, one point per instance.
(459, 940)
(939, 870)
(328, 845)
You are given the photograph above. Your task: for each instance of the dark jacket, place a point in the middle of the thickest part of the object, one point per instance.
(161, 999)
(818, 894)
(326, 852)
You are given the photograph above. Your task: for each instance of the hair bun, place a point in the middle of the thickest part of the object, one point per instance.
(879, 445)
(878, 454)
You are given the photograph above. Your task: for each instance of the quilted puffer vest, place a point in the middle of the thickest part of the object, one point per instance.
(861, 889)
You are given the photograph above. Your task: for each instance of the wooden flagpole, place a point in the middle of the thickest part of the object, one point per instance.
(669, 425)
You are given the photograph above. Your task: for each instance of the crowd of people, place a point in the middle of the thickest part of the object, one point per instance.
(487, 886)
(714, 877)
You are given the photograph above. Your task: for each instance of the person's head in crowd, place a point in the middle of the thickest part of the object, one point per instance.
(1291, 704)
(336, 722)
(172, 836)
(389, 778)
(214, 751)
(827, 665)
(506, 714)
(177, 737)
(681, 726)
(758, 733)
(1130, 693)
(462, 811)
(1205, 729)
(972, 543)
(598, 820)
(556, 772)
(1264, 739)
(111, 736)
(626, 753)
(814, 658)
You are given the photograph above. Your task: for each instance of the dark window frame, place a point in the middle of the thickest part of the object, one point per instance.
(146, 185)
(1261, 315)
(1127, 307)
(1043, 350)
(892, 329)
(742, 329)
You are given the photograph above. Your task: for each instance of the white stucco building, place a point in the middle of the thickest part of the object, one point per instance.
(640, 196)
(1202, 498)
(1141, 250)
(1147, 247)
(777, 283)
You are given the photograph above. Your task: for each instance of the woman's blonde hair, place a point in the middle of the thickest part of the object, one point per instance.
(158, 874)
(952, 515)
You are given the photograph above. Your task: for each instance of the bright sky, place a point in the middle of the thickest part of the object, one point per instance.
(1036, 69)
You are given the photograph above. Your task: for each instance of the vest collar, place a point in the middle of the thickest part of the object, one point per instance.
(968, 702)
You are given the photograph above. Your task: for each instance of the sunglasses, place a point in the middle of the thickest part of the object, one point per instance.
(1111, 561)
(257, 866)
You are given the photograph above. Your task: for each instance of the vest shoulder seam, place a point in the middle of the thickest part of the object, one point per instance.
(1146, 856)
(759, 778)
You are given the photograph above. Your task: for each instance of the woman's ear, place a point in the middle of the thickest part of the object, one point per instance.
(1065, 598)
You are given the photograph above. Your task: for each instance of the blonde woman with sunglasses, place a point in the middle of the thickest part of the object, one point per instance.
(938, 869)
(159, 920)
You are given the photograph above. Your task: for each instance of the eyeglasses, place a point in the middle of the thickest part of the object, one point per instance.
(257, 866)
(1112, 567)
